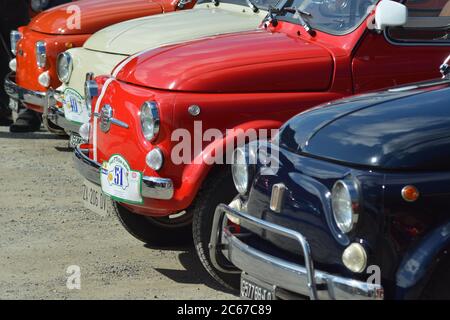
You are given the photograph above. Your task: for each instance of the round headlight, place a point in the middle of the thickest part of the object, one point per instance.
(150, 120)
(65, 66)
(345, 204)
(240, 171)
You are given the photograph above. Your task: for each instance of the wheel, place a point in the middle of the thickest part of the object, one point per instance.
(218, 188)
(166, 231)
(439, 286)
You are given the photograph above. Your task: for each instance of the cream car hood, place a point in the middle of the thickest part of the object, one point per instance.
(135, 35)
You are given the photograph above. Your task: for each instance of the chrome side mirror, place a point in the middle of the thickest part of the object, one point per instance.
(390, 14)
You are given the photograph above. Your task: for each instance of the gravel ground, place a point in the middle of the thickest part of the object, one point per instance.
(45, 229)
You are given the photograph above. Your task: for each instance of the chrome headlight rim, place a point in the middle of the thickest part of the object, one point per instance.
(15, 37)
(243, 187)
(41, 54)
(346, 221)
(150, 112)
(69, 62)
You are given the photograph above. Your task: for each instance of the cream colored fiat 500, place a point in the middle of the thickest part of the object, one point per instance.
(105, 50)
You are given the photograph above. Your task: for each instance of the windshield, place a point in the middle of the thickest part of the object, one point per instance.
(331, 16)
(261, 4)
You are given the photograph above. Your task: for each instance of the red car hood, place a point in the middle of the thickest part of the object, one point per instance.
(234, 63)
(95, 15)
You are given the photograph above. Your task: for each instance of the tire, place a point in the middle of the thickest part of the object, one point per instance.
(439, 286)
(218, 188)
(158, 232)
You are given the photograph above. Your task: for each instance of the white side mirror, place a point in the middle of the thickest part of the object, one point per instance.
(390, 14)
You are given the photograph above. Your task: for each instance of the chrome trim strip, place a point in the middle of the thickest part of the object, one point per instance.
(152, 187)
(304, 280)
(18, 93)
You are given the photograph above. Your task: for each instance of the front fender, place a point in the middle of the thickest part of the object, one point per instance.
(196, 172)
(418, 263)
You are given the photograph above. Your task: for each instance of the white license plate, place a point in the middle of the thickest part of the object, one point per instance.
(253, 289)
(95, 200)
(14, 105)
(75, 140)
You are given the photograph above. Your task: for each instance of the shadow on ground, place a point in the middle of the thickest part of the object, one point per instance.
(194, 272)
(39, 135)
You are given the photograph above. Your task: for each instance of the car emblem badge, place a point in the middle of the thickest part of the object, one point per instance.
(276, 201)
(106, 115)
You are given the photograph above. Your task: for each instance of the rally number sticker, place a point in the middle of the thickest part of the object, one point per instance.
(120, 182)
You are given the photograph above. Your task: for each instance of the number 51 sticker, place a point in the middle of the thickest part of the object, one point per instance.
(120, 182)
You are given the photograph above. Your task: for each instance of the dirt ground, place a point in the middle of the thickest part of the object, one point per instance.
(45, 229)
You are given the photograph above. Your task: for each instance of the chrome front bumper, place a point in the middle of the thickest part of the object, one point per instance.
(18, 93)
(299, 279)
(56, 115)
(155, 188)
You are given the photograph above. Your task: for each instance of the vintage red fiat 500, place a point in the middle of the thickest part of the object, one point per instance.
(308, 52)
(37, 45)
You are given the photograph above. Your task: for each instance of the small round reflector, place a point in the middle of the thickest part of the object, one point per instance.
(410, 193)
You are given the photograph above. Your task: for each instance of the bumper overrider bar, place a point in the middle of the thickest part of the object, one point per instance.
(56, 115)
(284, 275)
(18, 93)
(155, 188)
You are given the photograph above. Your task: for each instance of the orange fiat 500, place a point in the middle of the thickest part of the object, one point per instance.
(51, 32)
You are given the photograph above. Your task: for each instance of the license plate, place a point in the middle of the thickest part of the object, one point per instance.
(75, 140)
(253, 289)
(95, 200)
(14, 105)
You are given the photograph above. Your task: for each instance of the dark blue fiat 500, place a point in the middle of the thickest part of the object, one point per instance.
(358, 209)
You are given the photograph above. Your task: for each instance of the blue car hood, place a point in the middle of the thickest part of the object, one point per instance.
(402, 129)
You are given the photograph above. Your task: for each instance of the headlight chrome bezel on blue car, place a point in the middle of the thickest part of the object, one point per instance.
(345, 203)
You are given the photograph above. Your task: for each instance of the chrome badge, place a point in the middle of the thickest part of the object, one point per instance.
(106, 115)
(276, 201)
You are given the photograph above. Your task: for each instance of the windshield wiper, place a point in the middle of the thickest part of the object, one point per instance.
(296, 12)
(253, 6)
